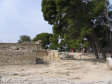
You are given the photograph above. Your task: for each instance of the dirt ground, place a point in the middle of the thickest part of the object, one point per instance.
(84, 69)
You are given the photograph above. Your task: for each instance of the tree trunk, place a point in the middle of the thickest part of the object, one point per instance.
(98, 44)
(96, 51)
(108, 19)
(95, 47)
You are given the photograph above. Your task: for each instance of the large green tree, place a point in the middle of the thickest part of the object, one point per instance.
(24, 38)
(54, 42)
(75, 20)
(45, 39)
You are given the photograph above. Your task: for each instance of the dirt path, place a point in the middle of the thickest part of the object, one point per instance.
(85, 69)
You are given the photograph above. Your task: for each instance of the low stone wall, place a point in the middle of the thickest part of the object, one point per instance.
(22, 57)
(56, 55)
(17, 57)
(42, 56)
(20, 46)
(53, 54)
(19, 53)
(28, 53)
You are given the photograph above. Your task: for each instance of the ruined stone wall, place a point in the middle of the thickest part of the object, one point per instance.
(53, 54)
(15, 53)
(20, 46)
(17, 57)
(26, 53)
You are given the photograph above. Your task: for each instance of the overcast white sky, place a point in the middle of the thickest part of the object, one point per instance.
(21, 17)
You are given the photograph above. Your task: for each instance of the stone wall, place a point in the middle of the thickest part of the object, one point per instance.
(53, 54)
(16, 53)
(16, 57)
(20, 46)
(26, 53)
(56, 55)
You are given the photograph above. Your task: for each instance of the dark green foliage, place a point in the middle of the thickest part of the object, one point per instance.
(49, 15)
(53, 46)
(24, 38)
(74, 20)
(62, 45)
(45, 39)
(54, 42)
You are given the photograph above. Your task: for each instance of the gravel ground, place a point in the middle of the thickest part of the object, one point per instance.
(78, 71)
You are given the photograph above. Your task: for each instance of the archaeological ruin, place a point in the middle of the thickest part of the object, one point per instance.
(28, 53)
(20, 53)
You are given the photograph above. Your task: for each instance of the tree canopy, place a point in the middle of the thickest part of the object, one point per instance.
(45, 39)
(24, 38)
(75, 20)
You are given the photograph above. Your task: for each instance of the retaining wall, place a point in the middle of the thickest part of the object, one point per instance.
(16, 53)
